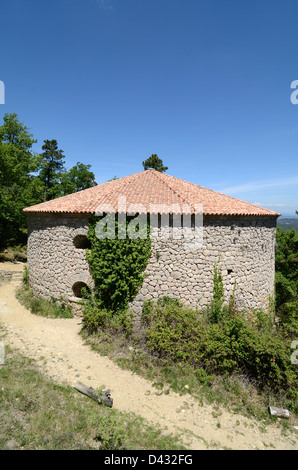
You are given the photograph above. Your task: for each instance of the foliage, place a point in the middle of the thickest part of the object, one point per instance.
(172, 331)
(117, 265)
(51, 168)
(14, 253)
(154, 162)
(219, 307)
(26, 278)
(112, 435)
(27, 178)
(79, 177)
(17, 186)
(288, 223)
(286, 279)
(218, 296)
(55, 179)
(98, 318)
(288, 315)
(176, 334)
(113, 179)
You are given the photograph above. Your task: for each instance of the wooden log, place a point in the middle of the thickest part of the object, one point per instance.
(104, 399)
(279, 412)
(89, 391)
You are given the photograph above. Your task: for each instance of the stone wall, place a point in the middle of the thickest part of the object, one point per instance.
(244, 245)
(55, 265)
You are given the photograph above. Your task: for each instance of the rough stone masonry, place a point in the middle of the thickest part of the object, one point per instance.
(243, 245)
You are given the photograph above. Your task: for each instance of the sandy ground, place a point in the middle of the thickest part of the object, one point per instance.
(11, 266)
(60, 353)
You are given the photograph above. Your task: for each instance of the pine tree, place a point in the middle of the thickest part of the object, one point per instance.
(154, 162)
(52, 168)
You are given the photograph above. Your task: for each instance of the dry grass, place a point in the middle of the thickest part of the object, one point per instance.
(37, 414)
(238, 393)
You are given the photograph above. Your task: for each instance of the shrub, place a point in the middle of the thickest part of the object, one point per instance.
(218, 296)
(112, 434)
(172, 331)
(25, 278)
(177, 334)
(288, 315)
(98, 318)
(286, 279)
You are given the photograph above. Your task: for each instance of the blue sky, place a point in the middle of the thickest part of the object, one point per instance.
(205, 84)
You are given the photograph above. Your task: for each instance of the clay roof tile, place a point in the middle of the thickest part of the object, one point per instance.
(154, 191)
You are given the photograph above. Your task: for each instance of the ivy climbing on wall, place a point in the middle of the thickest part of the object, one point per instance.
(117, 263)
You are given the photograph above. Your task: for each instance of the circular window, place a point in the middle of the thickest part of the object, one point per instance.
(81, 241)
(78, 287)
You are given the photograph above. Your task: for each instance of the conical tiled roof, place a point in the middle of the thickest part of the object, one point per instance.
(151, 189)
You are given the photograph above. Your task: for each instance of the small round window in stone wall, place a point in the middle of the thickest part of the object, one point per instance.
(81, 241)
(77, 289)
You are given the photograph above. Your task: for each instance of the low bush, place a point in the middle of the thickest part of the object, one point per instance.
(288, 316)
(174, 333)
(97, 318)
(286, 281)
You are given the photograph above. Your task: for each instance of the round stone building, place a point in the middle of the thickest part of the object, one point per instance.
(192, 229)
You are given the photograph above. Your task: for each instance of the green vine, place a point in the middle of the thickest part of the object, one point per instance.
(218, 295)
(117, 264)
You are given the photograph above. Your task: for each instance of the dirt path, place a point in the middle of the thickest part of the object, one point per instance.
(61, 354)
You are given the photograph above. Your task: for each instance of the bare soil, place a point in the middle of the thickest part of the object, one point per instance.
(60, 353)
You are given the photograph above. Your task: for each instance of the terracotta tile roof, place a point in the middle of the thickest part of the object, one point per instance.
(147, 188)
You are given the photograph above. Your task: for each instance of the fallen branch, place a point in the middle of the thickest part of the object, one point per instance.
(104, 399)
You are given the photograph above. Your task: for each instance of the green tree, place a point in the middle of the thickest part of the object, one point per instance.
(18, 187)
(79, 177)
(52, 167)
(286, 278)
(154, 162)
